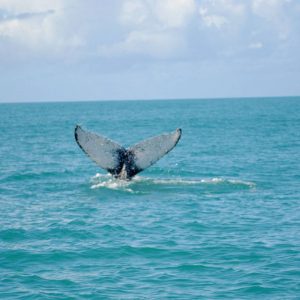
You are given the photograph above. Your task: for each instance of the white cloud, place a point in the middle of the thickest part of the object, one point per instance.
(36, 26)
(184, 28)
(267, 8)
(273, 11)
(223, 12)
(174, 13)
(157, 13)
(159, 29)
(212, 20)
(154, 28)
(161, 45)
(134, 12)
(25, 6)
(256, 45)
(97, 38)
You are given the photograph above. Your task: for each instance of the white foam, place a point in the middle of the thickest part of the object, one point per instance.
(107, 181)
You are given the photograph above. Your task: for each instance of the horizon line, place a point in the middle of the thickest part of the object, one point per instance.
(149, 99)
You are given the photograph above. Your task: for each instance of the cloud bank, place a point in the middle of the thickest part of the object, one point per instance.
(148, 48)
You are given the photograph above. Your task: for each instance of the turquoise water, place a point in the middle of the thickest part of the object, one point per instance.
(217, 218)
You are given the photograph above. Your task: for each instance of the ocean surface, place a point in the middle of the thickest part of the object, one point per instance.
(216, 218)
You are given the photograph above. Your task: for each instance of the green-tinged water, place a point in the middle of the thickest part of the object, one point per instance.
(217, 218)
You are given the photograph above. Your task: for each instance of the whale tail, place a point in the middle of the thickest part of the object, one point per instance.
(121, 162)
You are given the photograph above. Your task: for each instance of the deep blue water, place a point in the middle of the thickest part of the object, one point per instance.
(217, 218)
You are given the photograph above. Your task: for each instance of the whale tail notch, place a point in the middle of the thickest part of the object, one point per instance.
(121, 162)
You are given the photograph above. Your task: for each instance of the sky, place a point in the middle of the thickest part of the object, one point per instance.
(72, 50)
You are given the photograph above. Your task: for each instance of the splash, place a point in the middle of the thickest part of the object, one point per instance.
(109, 182)
(139, 183)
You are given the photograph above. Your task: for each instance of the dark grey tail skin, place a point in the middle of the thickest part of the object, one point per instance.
(125, 163)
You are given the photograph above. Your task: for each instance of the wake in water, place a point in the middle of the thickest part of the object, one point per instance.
(139, 182)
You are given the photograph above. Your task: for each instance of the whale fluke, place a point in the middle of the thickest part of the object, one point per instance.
(125, 163)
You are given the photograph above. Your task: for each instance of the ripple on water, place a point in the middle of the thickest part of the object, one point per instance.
(217, 218)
